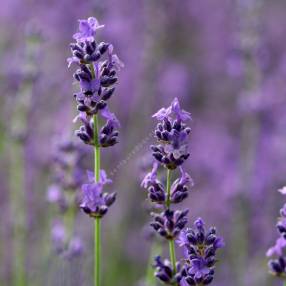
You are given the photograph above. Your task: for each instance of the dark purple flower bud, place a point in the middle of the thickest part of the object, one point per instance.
(78, 54)
(281, 226)
(107, 93)
(164, 271)
(85, 132)
(103, 47)
(190, 281)
(180, 187)
(169, 223)
(275, 267)
(108, 135)
(109, 199)
(90, 47)
(107, 81)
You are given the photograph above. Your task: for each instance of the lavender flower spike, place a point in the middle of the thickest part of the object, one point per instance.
(97, 68)
(200, 246)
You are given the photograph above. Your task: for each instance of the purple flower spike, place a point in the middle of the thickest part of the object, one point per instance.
(97, 69)
(199, 245)
(87, 29)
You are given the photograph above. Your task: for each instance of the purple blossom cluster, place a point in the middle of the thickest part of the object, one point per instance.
(95, 202)
(200, 246)
(277, 263)
(97, 68)
(97, 75)
(68, 175)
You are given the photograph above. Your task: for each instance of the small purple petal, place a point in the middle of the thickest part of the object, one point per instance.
(110, 117)
(150, 177)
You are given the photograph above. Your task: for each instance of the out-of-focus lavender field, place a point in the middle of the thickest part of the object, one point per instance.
(225, 61)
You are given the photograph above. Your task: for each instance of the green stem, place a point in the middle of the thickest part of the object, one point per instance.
(172, 254)
(97, 251)
(96, 150)
(168, 204)
(97, 231)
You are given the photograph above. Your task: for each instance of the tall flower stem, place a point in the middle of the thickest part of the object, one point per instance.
(172, 254)
(97, 221)
(97, 226)
(168, 203)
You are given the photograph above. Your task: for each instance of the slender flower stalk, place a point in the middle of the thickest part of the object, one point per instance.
(171, 241)
(97, 76)
(97, 250)
(172, 254)
(97, 234)
(197, 268)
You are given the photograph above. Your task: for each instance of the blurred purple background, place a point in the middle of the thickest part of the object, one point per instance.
(225, 61)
